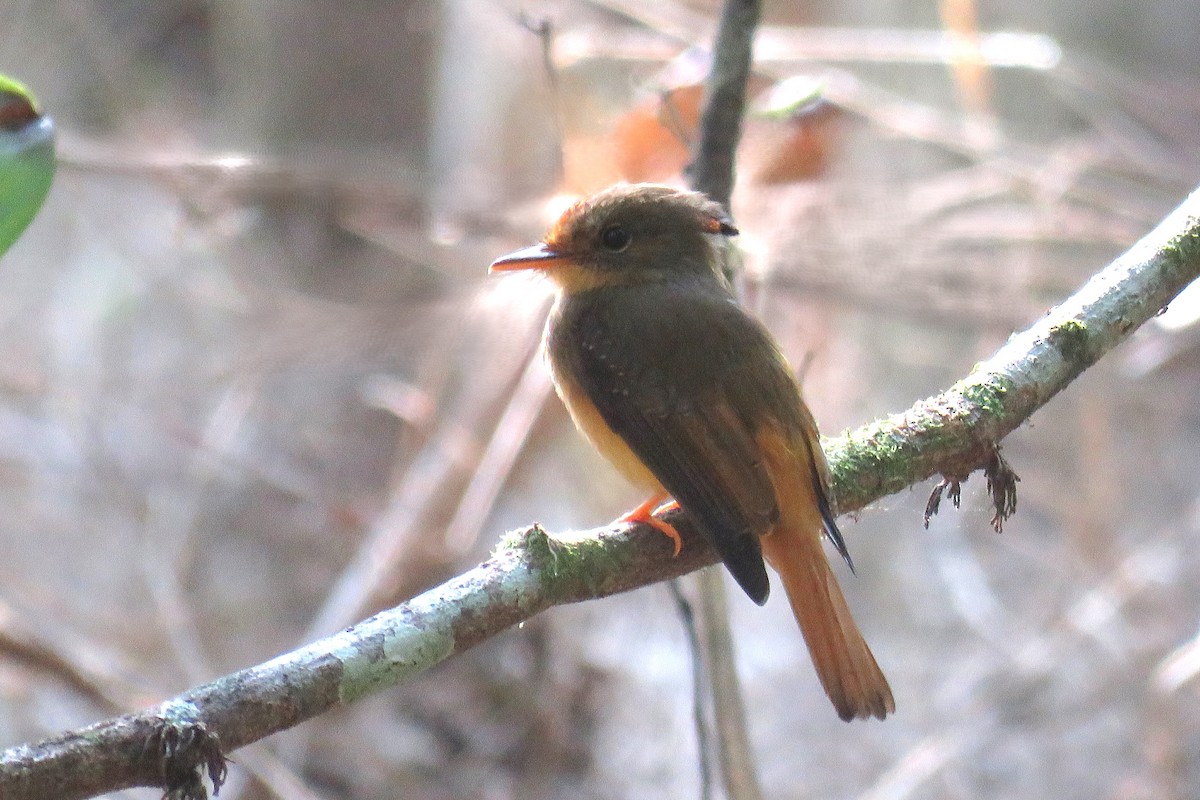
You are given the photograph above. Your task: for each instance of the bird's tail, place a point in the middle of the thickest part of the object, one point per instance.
(844, 663)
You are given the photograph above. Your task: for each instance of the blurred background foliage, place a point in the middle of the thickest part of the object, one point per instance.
(255, 382)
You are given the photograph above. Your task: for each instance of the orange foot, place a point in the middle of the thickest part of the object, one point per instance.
(646, 511)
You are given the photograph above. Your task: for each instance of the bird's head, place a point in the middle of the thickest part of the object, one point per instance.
(627, 234)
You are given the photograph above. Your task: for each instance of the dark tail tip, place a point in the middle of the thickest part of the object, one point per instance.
(753, 580)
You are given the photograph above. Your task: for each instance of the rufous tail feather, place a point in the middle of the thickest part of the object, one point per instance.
(843, 661)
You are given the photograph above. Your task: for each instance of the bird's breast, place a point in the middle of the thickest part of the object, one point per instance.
(558, 346)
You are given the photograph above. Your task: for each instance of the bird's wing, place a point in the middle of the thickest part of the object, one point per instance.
(680, 391)
(821, 481)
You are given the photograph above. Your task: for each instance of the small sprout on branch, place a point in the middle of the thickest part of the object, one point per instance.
(181, 748)
(935, 497)
(1002, 486)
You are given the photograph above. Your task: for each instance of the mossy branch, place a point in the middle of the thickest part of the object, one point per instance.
(956, 432)
(951, 434)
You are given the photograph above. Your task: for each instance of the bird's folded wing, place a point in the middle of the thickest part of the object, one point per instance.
(686, 428)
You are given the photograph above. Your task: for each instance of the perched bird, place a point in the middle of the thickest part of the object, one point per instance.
(690, 398)
(26, 159)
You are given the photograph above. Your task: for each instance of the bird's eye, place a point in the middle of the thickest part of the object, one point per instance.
(615, 238)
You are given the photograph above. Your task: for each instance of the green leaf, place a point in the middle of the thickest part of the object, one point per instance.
(26, 159)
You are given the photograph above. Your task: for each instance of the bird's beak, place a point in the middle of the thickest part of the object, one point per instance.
(539, 256)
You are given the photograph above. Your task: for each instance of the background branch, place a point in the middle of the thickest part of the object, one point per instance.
(712, 172)
(951, 434)
(712, 169)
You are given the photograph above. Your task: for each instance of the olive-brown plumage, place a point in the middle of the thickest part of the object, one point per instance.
(689, 396)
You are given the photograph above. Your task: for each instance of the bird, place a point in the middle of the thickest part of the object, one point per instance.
(691, 399)
(26, 159)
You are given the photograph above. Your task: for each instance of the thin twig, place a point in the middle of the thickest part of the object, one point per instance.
(509, 437)
(952, 433)
(431, 474)
(543, 28)
(700, 687)
(738, 767)
(711, 170)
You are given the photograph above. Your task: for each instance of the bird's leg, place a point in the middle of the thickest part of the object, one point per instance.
(645, 513)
